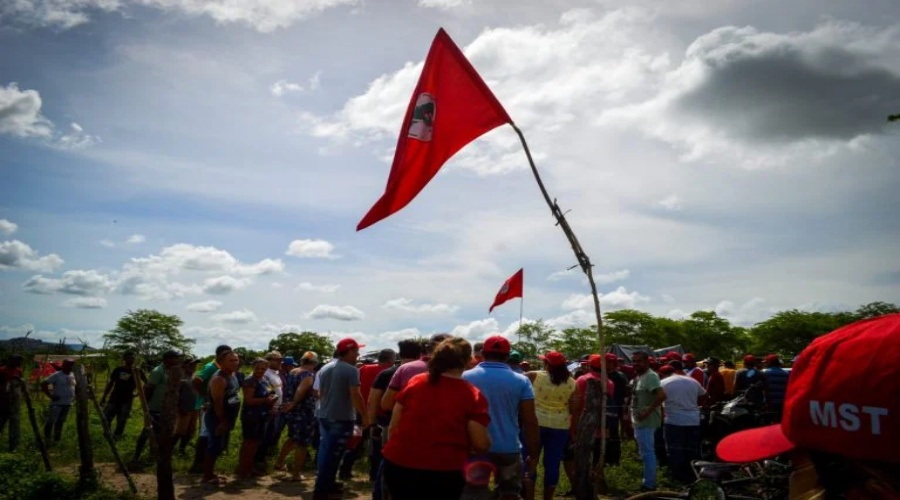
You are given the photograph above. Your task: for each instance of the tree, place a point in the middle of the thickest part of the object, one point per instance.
(894, 118)
(295, 344)
(534, 339)
(875, 309)
(708, 334)
(575, 342)
(248, 355)
(789, 332)
(148, 333)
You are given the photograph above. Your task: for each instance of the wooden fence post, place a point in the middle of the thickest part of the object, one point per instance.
(165, 487)
(38, 438)
(87, 476)
(145, 410)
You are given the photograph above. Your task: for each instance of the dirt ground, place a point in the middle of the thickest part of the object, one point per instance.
(271, 487)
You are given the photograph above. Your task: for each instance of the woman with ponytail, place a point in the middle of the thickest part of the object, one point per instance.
(438, 420)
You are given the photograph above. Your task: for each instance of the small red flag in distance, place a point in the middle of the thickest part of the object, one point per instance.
(450, 107)
(511, 289)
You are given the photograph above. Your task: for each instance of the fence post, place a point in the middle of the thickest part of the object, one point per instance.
(165, 487)
(585, 432)
(34, 426)
(87, 476)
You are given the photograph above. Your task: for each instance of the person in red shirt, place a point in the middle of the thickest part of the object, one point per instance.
(715, 383)
(10, 380)
(692, 370)
(437, 421)
(368, 373)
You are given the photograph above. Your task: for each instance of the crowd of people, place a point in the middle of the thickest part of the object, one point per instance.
(443, 417)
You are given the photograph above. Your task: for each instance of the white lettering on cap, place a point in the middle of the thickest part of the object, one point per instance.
(825, 414)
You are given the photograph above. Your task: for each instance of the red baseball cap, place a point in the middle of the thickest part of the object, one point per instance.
(594, 361)
(497, 345)
(749, 358)
(772, 358)
(553, 358)
(666, 369)
(841, 399)
(687, 358)
(345, 345)
(673, 355)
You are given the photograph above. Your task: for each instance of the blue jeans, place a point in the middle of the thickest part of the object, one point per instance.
(333, 437)
(554, 442)
(682, 446)
(644, 438)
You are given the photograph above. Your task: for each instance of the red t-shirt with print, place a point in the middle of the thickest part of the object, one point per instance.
(367, 375)
(433, 431)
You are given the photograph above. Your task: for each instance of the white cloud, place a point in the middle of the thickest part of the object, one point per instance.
(320, 249)
(205, 306)
(672, 203)
(20, 112)
(224, 284)
(342, 313)
(263, 15)
(620, 298)
(88, 282)
(281, 87)
(565, 274)
(407, 305)
(86, 302)
(742, 96)
(315, 81)
(17, 255)
(75, 138)
(479, 329)
(136, 239)
(607, 278)
(276, 285)
(309, 287)
(747, 314)
(444, 4)
(7, 227)
(668, 299)
(107, 243)
(242, 317)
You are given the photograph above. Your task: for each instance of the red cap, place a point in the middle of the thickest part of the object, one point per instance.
(687, 358)
(497, 345)
(749, 358)
(611, 357)
(345, 345)
(852, 411)
(666, 369)
(554, 358)
(772, 358)
(671, 355)
(594, 361)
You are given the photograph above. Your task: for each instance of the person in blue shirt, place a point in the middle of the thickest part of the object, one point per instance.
(510, 401)
(776, 380)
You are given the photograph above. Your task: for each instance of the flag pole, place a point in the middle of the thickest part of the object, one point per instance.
(585, 263)
(521, 313)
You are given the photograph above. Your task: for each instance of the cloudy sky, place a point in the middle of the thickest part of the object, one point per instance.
(211, 158)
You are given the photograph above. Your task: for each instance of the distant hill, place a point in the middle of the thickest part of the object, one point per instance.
(32, 345)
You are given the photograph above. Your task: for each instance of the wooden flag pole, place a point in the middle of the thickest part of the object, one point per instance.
(585, 263)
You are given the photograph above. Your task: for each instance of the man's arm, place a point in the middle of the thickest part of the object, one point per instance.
(532, 435)
(374, 404)
(387, 400)
(197, 384)
(45, 387)
(358, 404)
(660, 398)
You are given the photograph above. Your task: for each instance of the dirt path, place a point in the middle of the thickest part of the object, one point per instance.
(271, 487)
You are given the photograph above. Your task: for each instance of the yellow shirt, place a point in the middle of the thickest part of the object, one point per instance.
(728, 374)
(551, 402)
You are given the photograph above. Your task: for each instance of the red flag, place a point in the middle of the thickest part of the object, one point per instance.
(451, 107)
(511, 289)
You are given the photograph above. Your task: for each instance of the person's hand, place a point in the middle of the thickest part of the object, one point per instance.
(531, 467)
(288, 407)
(222, 429)
(365, 422)
(271, 399)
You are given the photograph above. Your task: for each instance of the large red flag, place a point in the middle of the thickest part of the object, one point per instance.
(451, 107)
(511, 289)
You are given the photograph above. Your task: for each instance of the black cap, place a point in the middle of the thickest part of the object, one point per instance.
(171, 353)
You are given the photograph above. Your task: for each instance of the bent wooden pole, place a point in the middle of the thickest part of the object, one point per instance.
(585, 263)
(585, 487)
(107, 433)
(38, 438)
(145, 410)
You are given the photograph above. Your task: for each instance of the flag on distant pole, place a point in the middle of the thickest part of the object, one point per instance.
(511, 289)
(450, 107)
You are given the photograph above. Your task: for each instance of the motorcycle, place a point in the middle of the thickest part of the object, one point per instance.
(764, 480)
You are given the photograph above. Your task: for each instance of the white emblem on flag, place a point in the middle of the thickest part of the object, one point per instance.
(505, 288)
(423, 118)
